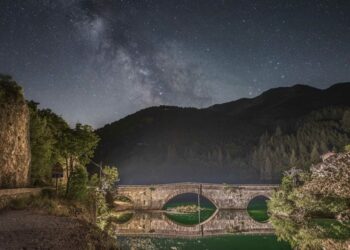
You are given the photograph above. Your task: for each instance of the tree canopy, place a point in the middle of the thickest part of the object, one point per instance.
(311, 209)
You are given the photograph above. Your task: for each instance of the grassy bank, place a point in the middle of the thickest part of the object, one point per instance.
(79, 212)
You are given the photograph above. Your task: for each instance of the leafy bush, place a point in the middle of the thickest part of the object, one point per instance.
(48, 192)
(77, 189)
(10, 91)
(311, 209)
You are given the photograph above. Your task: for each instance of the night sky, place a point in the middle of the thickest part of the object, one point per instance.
(95, 61)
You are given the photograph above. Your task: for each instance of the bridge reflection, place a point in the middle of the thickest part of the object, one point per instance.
(156, 223)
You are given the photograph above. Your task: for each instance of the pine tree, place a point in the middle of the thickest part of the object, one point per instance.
(323, 147)
(293, 159)
(346, 121)
(315, 155)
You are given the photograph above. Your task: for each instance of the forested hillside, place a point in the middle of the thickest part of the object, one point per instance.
(318, 133)
(248, 140)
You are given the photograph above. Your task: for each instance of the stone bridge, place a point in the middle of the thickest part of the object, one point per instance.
(223, 196)
(153, 223)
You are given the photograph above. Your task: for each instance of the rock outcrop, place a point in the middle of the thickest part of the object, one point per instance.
(14, 135)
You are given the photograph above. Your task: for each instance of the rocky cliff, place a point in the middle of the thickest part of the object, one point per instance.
(14, 135)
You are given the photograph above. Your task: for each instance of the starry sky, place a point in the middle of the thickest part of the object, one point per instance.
(96, 61)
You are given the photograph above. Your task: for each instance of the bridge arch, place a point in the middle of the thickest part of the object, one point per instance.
(257, 209)
(175, 194)
(123, 198)
(254, 195)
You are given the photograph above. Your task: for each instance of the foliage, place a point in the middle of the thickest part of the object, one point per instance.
(320, 132)
(110, 176)
(46, 129)
(10, 91)
(77, 189)
(77, 148)
(41, 142)
(52, 140)
(94, 180)
(100, 193)
(79, 144)
(312, 211)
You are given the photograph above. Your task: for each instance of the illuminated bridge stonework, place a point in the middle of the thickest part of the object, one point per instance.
(223, 196)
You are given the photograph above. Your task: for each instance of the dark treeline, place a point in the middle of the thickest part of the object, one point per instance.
(318, 133)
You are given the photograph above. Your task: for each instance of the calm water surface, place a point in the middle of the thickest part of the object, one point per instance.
(227, 229)
(231, 242)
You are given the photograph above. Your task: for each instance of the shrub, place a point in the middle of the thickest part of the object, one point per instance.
(77, 189)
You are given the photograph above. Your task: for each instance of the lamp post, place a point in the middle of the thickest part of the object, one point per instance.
(199, 204)
(100, 185)
(57, 172)
(100, 169)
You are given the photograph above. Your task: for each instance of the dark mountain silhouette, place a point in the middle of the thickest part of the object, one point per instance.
(214, 144)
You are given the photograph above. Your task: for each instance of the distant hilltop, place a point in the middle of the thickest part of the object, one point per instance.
(244, 141)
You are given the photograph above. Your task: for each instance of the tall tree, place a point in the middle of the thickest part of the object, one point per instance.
(45, 131)
(41, 142)
(346, 120)
(78, 147)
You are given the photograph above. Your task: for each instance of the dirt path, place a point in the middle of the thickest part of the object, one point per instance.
(24, 229)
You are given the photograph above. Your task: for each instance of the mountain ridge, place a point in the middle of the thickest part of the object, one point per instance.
(207, 144)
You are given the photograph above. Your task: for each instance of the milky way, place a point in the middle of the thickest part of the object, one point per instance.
(95, 61)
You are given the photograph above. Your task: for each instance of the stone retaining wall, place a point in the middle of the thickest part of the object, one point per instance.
(7, 195)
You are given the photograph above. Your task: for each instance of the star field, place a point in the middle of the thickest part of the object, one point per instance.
(95, 61)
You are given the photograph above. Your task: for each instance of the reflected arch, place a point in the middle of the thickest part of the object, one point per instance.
(122, 217)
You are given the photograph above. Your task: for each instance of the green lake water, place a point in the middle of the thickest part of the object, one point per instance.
(257, 209)
(229, 242)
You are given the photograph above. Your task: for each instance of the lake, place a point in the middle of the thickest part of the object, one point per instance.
(188, 223)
